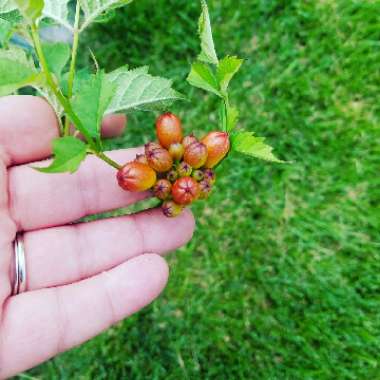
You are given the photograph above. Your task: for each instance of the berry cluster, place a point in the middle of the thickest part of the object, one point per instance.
(178, 169)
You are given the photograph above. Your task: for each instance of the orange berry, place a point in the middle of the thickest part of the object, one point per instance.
(158, 158)
(168, 129)
(176, 150)
(187, 140)
(218, 145)
(195, 154)
(136, 176)
(162, 189)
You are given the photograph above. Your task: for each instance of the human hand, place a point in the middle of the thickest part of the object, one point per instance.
(81, 278)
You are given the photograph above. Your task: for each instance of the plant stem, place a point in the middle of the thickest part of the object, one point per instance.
(74, 52)
(226, 102)
(109, 161)
(64, 102)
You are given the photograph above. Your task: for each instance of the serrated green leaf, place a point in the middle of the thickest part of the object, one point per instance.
(69, 152)
(30, 9)
(248, 143)
(202, 76)
(93, 9)
(7, 6)
(91, 101)
(14, 16)
(208, 53)
(16, 71)
(8, 22)
(57, 55)
(232, 118)
(5, 31)
(57, 10)
(226, 70)
(136, 89)
(81, 76)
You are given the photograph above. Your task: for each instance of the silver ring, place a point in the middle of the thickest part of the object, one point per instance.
(19, 285)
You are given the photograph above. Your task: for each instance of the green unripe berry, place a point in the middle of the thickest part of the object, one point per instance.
(171, 209)
(172, 176)
(198, 175)
(184, 169)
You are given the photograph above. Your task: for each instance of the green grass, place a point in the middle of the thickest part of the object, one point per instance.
(282, 278)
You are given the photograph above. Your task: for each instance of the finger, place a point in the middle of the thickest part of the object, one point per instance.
(38, 325)
(62, 255)
(7, 234)
(27, 126)
(112, 126)
(39, 200)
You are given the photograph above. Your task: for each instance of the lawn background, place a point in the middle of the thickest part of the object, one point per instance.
(282, 278)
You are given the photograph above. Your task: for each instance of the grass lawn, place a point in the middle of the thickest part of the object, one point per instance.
(282, 278)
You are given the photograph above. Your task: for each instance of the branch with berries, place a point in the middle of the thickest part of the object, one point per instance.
(178, 169)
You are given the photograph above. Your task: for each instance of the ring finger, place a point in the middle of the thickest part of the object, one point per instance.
(63, 255)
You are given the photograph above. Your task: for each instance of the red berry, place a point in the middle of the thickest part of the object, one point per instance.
(185, 190)
(218, 145)
(209, 175)
(176, 151)
(136, 176)
(187, 140)
(169, 130)
(158, 158)
(195, 154)
(162, 189)
(184, 169)
(171, 209)
(205, 189)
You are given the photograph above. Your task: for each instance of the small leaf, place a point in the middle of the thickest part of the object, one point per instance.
(201, 76)
(30, 9)
(57, 55)
(226, 70)
(208, 53)
(136, 89)
(7, 6)
(232, 118)
(91, 101)
(247, 143)
(69, 152)
(93, 9)
(16, 71)
(58, 11)
(8, 22)
(5, 31)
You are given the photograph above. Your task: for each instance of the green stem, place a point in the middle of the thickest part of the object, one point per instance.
(74, 52)
(64, 102)
(226, 103)
(109, 161)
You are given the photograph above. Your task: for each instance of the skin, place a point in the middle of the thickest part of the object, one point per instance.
(81, 278)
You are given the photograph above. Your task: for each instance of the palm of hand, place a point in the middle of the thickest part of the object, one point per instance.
(81, 278)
